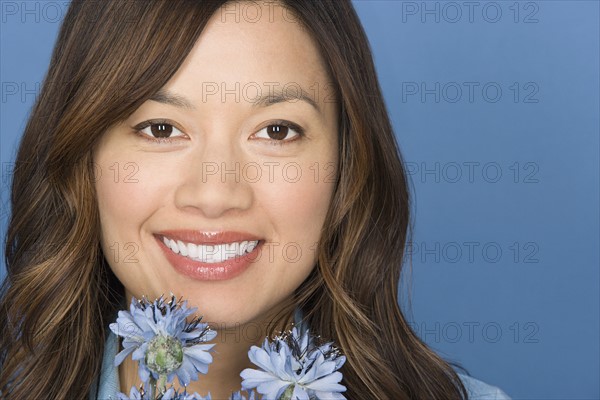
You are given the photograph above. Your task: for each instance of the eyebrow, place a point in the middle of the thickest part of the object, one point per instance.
(275, 98)
(165, 97)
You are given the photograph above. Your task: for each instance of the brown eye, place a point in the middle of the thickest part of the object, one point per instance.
(277, 132)
(161, 130)
(280, 132)
(156, 129)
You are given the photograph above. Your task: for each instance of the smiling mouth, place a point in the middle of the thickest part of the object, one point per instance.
(210, 254)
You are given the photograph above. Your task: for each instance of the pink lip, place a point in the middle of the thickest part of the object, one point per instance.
(197, 270)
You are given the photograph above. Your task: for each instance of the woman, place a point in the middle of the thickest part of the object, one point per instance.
(167, 129)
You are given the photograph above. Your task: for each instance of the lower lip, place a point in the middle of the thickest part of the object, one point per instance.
(202, 271)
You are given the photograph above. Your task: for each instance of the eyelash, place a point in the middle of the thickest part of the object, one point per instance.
(139, 127)
(280, 122)
(143, 125)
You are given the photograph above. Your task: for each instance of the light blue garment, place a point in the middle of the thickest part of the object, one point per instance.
(479, 390)
(109, 384)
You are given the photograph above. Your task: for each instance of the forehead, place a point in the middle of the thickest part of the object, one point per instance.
(261, 45)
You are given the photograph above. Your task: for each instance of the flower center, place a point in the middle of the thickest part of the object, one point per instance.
(164, 354)
(287, 395)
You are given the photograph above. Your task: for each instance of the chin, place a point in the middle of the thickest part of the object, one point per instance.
(226, 311)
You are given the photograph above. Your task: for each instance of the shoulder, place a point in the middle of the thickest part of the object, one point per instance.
(479, 390)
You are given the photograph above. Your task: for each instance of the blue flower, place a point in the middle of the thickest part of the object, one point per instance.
(293, 367)
(134, 394)
(239, 396)
(170, 394)
(162, 341)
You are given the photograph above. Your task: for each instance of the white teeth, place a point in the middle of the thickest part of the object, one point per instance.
(192, 250)
(173, 246)
(211, 253)
(252, 245)
(232, 249)
(183, 249)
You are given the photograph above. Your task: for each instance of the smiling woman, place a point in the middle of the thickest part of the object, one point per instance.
(245, 164)
(181, 216)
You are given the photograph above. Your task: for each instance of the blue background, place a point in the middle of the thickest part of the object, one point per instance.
(505, 256)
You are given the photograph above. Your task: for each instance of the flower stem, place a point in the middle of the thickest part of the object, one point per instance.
(152, 385)
(162, 384)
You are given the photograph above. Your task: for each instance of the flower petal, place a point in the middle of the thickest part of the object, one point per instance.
(299, 393)
(328, 383)
(253, 377)
(144, 373)
(272, 389)
(119, 358)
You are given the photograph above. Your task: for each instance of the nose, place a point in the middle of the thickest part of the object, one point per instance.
(213, 184)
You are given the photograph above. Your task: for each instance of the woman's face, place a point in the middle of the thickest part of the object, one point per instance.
(218, 166)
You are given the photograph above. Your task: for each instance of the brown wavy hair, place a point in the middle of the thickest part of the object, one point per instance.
(59, 294)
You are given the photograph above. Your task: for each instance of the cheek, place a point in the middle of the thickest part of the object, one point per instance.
(122, 202)
(127, 197)
(297, 205)
(296, 209)
(129, 189)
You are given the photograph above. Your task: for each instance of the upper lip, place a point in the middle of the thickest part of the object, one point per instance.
(208, 237)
